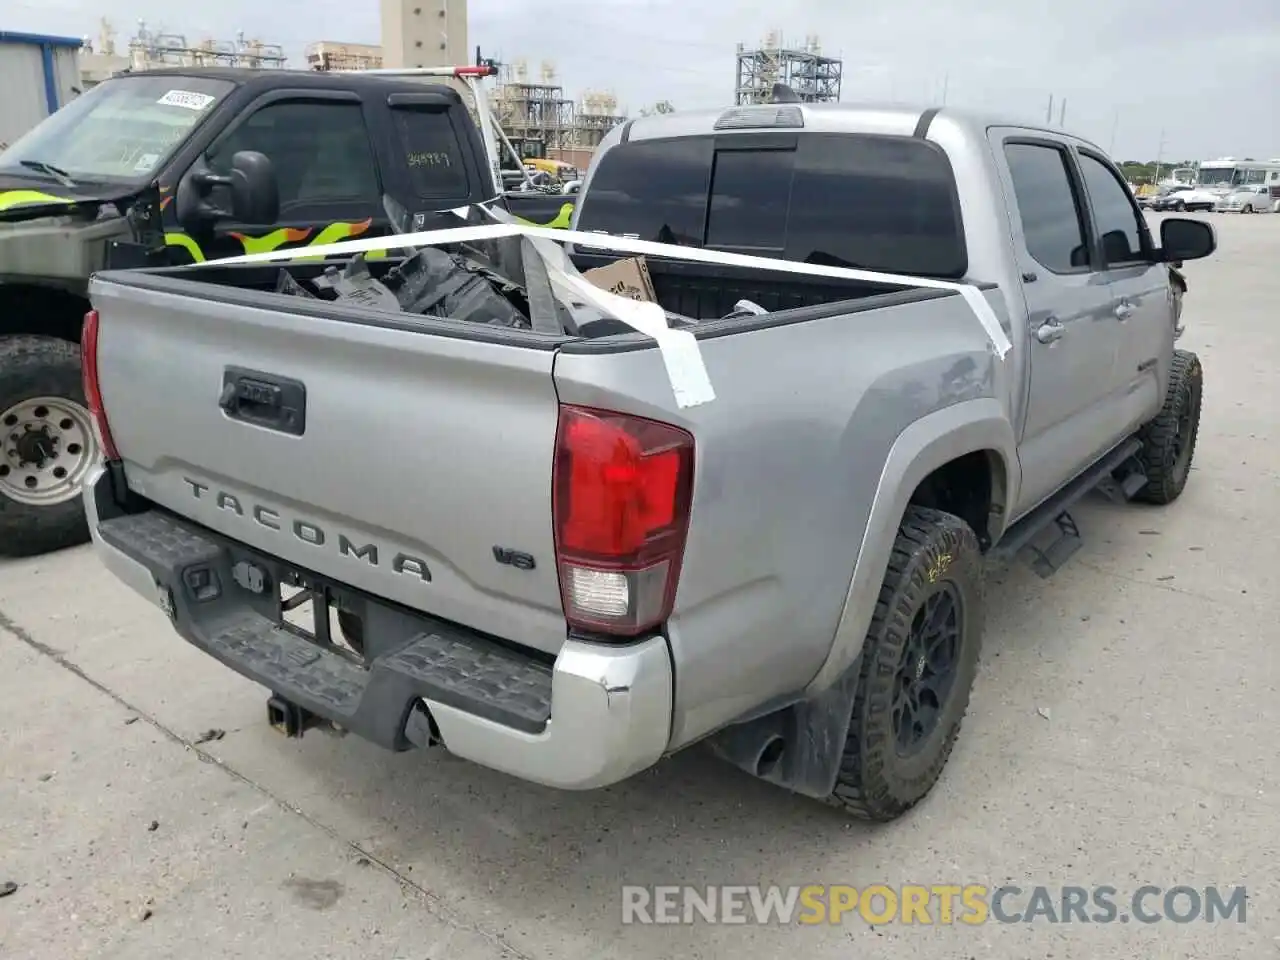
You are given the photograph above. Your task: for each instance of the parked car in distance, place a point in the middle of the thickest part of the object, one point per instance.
(1187, 198)
(1253, 198)
(1156, 199)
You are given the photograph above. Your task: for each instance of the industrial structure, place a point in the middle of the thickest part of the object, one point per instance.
(328, 55)
(814, 77)
(597, 115)
(152, 50)
(534, 110)
(424, 33)
(541, 120)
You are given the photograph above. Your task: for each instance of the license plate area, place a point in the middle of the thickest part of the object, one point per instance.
(311, 608)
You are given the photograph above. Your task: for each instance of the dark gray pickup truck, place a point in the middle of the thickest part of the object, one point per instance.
(544, 560)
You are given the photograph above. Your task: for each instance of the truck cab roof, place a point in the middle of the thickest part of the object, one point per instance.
(302, 79)
(889, 119)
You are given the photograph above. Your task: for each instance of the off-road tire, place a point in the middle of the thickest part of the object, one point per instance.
(1166, 456)
(34, 367)
(874, 782)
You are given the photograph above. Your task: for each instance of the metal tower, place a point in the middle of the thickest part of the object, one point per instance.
(815, 78)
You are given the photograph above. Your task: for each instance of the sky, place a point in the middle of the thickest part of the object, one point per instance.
(1176, 79)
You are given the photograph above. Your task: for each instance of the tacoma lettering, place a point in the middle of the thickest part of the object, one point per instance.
(308, 532)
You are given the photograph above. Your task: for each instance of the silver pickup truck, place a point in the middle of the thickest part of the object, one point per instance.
(518, 545)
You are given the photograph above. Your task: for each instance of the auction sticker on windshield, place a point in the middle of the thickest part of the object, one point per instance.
(185, 98)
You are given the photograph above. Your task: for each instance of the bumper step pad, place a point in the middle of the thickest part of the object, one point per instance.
(444, 663)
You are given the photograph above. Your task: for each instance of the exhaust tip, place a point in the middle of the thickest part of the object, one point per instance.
(769, 756)
(420, 727)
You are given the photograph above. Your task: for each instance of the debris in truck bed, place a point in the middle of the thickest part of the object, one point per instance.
(437, 284)
(357, 285)
(430, 283)
(506, 283)
(287, 285)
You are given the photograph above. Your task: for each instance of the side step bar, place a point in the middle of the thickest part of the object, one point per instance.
(1119, 475)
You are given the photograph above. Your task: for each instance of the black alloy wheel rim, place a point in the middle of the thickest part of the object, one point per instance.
(926, 672)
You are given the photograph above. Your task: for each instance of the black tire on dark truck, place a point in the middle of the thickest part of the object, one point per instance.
(1169, 440)
(47, 445)
(918, 668)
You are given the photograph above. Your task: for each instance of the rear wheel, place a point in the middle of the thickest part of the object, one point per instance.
(918, 667)
(47, 446)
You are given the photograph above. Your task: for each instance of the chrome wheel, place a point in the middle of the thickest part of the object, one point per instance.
(47, 447)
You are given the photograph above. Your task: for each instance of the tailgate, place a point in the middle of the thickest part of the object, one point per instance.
(413, 466)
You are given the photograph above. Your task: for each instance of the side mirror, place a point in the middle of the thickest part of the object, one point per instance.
(252, 191)
(1186, 239)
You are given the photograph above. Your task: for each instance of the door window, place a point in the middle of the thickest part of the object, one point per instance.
(1047, 208)
(1119, 228)
(320, 152)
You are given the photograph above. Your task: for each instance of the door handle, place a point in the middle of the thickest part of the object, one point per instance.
(1124, 310)
(1050, 331)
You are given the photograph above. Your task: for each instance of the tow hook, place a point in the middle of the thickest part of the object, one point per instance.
(288, 718)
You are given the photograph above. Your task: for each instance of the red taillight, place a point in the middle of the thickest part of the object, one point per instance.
(621, 495)
(92, 390)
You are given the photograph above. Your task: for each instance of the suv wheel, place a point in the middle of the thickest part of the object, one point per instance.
(918, 667)
(47, 446)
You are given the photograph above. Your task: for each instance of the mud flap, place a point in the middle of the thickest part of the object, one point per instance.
(799, 746)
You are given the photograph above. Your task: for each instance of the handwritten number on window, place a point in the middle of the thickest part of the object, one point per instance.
(434, 159)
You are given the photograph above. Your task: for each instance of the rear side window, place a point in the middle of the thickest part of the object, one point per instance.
(654, 190)
(432, 152)
(878, 203)
(1047, 207)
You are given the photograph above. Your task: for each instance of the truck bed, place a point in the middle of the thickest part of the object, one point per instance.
(699, 291)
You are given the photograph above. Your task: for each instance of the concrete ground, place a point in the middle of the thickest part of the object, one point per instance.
(1123, 732)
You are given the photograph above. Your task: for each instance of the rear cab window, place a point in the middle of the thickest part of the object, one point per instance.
(858, 200)
(432, 151)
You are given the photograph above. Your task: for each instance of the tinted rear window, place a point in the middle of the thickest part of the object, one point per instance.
(432, 152)
(655, 190)
(880, 203)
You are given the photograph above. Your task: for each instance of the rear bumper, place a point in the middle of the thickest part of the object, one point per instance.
(596, 716)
